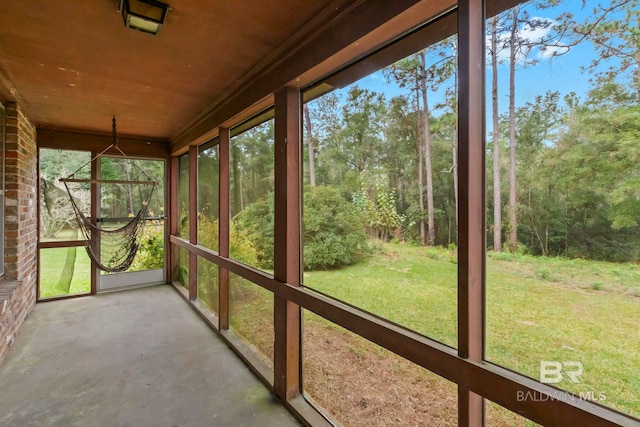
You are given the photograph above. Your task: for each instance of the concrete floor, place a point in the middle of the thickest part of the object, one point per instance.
(133, 358)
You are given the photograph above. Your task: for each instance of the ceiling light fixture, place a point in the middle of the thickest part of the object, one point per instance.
(144, 15)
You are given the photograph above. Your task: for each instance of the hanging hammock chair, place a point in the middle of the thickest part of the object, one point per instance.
(112, 250)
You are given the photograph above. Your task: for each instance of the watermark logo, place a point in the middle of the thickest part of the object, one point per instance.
(553, 372)
(563, 396)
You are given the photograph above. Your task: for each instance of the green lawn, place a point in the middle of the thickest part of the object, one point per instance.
(538, 309)
(64, 271)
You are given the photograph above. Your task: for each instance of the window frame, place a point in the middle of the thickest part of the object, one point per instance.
(3, 127)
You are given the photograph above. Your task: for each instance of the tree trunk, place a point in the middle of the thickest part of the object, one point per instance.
(497, 187)
(312, 162)
(423, 231)
(455, 173)
(431, 233)
(513, 202)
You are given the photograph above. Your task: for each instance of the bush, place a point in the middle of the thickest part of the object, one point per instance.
(151, 252)
(252, 234)
(334, 233)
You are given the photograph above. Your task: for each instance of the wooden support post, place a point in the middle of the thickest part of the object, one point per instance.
(95, 213)
(471, 236)
(193, 220)
(287, 318)
(174, 173)
(223, 228)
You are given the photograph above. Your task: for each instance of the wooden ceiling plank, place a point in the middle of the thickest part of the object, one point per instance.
(344, 29)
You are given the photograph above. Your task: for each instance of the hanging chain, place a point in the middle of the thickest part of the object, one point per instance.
(114, 133)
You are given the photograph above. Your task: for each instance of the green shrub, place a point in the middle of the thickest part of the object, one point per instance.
(334, 233)
(207, 231)
(151, 252)
(252, 234)
(247, 246)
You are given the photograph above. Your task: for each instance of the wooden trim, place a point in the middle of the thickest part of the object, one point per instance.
(223, 227)
(193, 220)
(96, 200)
(62, 244)
(167, 220)
(174, 172)
(85, 141)
(429, 33)
(63, 297)
(287, 318)
(38, 205)
(106, 181)
(471, 228)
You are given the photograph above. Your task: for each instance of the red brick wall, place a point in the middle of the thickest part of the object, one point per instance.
(18, 291)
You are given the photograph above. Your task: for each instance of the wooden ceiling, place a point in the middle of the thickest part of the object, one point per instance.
(73, 64)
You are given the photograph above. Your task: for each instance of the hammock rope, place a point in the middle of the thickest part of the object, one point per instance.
(112, 250)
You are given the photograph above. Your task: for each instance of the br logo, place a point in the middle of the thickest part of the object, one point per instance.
(552, 372)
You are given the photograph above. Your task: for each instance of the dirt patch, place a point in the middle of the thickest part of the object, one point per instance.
(362, 384)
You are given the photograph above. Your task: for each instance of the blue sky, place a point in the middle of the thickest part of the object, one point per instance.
(559, 73)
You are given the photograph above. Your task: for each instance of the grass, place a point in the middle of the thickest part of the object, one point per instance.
(56, 280)
(538, 309)
(414, 288)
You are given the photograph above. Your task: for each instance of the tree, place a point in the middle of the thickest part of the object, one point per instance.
(519, 49)
(613, 30)
(310, 145)
(494, 30)
(538, 126)
(414, 74)
(399, 157)
(379, 212)
(407, 73)
(363, 122)
(324, 113)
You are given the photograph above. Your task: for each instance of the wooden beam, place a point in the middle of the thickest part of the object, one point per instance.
(471, 228)
(107, 181)
(166, 169)
(223, 228)
(96, 200)
(174, 172)
(73, 140)
(38, 207)
(287, 320)
(193, 221)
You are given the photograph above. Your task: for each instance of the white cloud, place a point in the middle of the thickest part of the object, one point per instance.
(529, 35)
